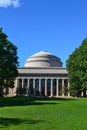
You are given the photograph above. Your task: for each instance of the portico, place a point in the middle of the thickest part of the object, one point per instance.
(43, 86)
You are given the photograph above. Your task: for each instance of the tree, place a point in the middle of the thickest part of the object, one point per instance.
(77, 69)
(8, 62)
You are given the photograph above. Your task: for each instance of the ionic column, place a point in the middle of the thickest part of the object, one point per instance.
(82, 93)
(40, 87)
(62, 87)
(57, 88)
(17, 85)
(28, 89)
(51, 87)
(68, 89)
(45, 87)
(22, 83)
(34, 86)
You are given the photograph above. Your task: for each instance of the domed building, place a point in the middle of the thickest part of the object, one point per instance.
(42, 75)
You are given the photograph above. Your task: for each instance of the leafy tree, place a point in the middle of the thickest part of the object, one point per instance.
(77, 69)
(8, 62)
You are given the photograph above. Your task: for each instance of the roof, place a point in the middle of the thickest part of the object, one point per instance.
(43, 59)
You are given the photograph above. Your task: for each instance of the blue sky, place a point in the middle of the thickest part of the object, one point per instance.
(56, 26)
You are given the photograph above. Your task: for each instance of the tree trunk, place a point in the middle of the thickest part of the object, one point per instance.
(84, 92)
(1, 91)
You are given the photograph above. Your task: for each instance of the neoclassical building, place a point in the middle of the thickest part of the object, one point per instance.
(42, 75)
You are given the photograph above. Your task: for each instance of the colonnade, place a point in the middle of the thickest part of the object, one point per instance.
(52, 87)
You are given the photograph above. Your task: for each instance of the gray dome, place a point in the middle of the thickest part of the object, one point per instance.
(43, 59)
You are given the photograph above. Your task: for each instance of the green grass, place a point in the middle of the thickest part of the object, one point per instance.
(43, 114)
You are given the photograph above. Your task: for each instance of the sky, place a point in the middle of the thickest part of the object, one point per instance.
(56, 26)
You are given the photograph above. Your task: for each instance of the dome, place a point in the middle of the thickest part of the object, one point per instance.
(43, 59)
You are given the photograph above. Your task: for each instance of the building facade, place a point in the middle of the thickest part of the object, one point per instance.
(42, 76)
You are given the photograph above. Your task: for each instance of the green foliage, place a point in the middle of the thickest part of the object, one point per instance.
(77, 69)
(8, 62)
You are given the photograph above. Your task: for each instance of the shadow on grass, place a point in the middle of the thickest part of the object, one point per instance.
(23, 101)
(5, 122)
(57, 99)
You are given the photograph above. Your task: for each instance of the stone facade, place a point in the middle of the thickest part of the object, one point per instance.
(42, 75)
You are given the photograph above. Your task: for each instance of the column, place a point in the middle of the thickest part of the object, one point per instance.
(34, 87)
(45, 87)
(22, 83)
(82, 94)
(22, 86)
(86, 92)
(28, 89)
(57, 87)
(40, 87)
(17, 85)
(68, 89)
(16, 82)
(51, 87)
(62, 87)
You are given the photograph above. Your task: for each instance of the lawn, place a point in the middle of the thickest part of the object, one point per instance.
(43, 114)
